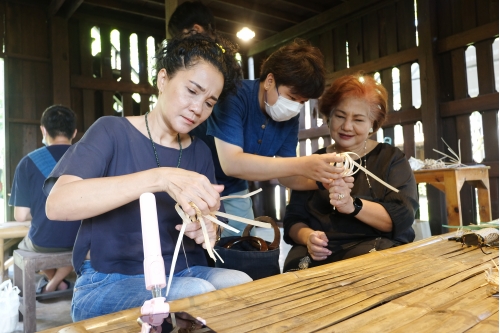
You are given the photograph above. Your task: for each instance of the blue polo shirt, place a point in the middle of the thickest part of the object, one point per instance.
(239, 120)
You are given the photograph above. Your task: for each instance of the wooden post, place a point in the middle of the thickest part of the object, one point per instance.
(61, 90)
(170, 6)
(429, 85)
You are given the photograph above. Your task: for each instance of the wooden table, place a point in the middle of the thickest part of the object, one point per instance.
(419, 287)
(451, 180)
(10, 232)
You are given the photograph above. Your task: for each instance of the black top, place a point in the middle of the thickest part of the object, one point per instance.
(386, 162)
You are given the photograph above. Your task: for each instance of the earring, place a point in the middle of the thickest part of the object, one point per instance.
(370, 130)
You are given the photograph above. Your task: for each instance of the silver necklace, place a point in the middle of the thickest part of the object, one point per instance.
(178, 140)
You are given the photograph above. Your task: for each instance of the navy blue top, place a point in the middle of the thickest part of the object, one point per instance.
(386, 162)
(27, 192)
(112, 146)
(239, 120)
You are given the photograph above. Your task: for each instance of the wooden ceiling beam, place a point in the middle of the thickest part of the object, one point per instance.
(260, 10)
(302, 5)
(333, 14)
(54, 7)
(71, 9)
(131, 8)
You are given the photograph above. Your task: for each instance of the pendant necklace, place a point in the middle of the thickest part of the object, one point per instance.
(154, 147)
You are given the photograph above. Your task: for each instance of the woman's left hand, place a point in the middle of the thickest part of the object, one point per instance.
(194, 231)
(340, 194)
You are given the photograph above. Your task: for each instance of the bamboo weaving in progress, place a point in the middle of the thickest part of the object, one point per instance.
(429, 285)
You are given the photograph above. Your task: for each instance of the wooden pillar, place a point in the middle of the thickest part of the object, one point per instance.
(429, 85)
(170, 6)
(61, 91)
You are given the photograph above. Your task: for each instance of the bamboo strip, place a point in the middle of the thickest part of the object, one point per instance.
(489, 324)
(463, 319)
(399, 318)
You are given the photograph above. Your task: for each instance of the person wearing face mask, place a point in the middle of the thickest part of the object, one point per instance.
(58, 127)
(260, 122)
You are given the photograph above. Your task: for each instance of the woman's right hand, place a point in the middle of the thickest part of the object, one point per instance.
(317, 243)
(187, 186)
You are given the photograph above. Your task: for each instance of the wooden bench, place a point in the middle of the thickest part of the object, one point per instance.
(10, 234)
(26, 264)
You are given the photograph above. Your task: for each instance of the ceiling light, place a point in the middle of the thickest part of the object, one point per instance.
(245, 34)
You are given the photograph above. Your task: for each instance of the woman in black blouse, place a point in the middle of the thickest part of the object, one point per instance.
(357, 214)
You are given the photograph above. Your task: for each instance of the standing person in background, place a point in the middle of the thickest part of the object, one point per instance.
(58, 126)
(191, 17)
(260, 122)
(357, 214)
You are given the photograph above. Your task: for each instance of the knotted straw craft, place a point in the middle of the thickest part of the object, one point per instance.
(200, 218)
(349, 164)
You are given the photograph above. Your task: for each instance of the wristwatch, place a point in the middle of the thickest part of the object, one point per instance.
(358, 204)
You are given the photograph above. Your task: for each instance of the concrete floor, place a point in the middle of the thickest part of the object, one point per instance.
(50, 313)
(56, 312)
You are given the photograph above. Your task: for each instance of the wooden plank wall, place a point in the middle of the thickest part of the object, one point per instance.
(28, 84)
(383, 39)
(49, 61)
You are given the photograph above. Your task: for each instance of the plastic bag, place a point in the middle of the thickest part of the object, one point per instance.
(9, 306)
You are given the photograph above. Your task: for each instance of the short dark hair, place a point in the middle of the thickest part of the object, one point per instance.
(184, 52)
(59, 120)
(298, 65)
(359, 85)
(187, 15)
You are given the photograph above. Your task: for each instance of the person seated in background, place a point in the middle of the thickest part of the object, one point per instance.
(260, 122)
(357, 214)
(58, 126)
(191, 17)
(101, 178)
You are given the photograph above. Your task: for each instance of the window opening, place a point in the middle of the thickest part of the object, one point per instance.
(277, 202)
(116, 62)
(380, 135)
(419, 140)
(377, 78)
(237, 56)
(495, 61)
(471, 65)
(95, 35)
(134, 58)
(321, 142)
(3, 190)
(416, 21)
(152, 102)
(398, 137)
(416, 95)
(151, 51)
(118, 104)
(308, 147)
(476, 129)
(347, 53)
(396, 90)
(422, 200)
(307, 115)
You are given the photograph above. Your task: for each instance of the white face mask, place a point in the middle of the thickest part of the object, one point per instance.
(283, 110)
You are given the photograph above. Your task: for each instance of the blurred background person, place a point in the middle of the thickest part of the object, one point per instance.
(58, 126)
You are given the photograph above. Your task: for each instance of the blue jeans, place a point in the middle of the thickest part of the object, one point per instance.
(241, 208)
(97, 294)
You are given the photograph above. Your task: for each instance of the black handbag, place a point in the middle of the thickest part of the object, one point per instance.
(249, 254)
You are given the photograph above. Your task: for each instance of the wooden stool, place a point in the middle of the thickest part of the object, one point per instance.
(25, 266)
(10, 233)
